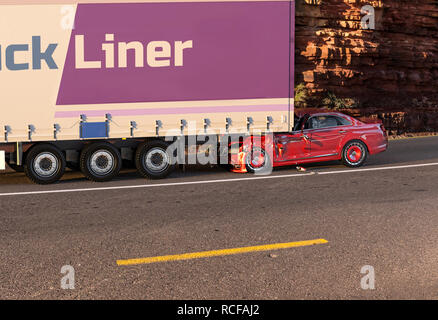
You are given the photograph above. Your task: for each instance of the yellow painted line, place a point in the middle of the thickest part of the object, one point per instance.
(223, 252)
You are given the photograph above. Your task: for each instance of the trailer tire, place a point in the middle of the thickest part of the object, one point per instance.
(44, 164)
(153, 160)
(100, 162)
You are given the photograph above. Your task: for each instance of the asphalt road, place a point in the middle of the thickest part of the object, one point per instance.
(386, 217)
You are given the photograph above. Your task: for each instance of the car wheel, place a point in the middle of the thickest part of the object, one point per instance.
(354, 154)
(153, 160)
(44, 164)
(100, 162)
(258, 161)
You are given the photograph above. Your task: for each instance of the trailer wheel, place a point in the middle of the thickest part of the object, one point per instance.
(153, 160)
(100, 162)
(44, 164)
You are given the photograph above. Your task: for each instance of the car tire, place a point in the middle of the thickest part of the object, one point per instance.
(153, 160)
(44, 164)
(258, 161)
(354, 154)
(100, 162)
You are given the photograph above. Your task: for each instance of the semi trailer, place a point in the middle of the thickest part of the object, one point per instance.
(91, 83)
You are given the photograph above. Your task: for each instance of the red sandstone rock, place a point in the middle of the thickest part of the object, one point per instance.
(385, 68)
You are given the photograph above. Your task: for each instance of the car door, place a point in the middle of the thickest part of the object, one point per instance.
(326, 133)
(292, 146)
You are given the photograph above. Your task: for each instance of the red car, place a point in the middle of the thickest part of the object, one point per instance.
(316, 137)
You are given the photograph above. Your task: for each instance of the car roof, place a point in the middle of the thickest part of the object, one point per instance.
(320, 113)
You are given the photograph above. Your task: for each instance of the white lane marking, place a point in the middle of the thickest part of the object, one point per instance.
(382, 168)
(151, 185)
(218, 180)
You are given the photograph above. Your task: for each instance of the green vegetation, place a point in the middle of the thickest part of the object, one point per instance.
(335, 103)
(304, 99)
(301, 95)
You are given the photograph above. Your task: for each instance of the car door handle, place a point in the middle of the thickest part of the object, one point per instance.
(342, 131)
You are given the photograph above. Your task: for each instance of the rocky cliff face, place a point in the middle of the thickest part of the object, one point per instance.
(391, 70)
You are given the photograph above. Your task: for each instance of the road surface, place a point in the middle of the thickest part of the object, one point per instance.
(384, 215)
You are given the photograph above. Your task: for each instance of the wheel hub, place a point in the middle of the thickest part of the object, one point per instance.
(354, 154)
(156, 160)
(45, 164)
(257, 159)
(102, 162)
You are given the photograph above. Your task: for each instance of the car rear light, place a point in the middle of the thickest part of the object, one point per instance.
(382, 127)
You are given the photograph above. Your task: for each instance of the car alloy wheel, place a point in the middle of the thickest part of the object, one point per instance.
(258, 161)
(354, 154)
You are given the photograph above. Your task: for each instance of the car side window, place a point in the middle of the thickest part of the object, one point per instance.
(343, 121)
(312, 123)
(319, 122)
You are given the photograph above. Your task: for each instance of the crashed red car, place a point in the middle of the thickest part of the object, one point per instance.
(317, 137)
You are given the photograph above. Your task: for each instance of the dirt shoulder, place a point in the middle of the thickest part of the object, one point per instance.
(413, 135)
